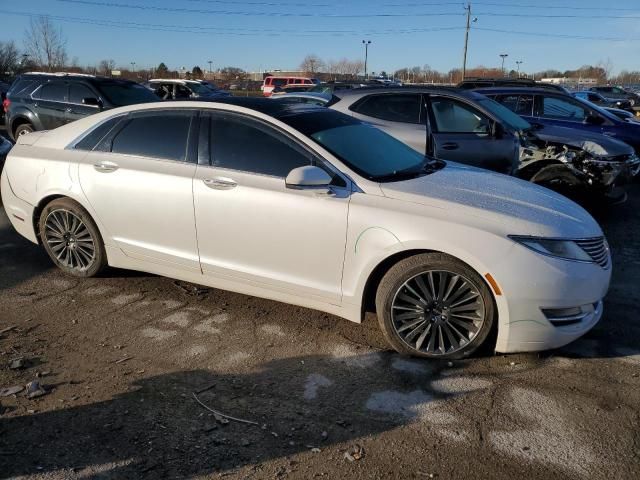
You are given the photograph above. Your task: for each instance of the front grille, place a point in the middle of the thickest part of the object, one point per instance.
(597, 249)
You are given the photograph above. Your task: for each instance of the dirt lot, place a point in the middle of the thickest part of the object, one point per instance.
(120, 357)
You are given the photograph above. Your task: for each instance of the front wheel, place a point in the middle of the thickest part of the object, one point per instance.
(23, 130)
(71, 238)
(432, 305)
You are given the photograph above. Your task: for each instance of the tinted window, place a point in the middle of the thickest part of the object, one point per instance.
(159, 135)
(593, 98)
(520, 104)
(243, 144)
(56, 92)
(97, 134)
(77, 92)
(454, 117)
(403, 108)
(126, 93)
(555, 107)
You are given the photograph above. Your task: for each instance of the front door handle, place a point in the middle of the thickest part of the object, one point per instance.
(220, 183)
(450, 146)
(105, 167)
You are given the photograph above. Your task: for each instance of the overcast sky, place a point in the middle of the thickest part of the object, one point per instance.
(269, 34)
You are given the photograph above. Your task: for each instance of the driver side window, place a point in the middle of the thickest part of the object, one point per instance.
(555, 107)
(455, 117)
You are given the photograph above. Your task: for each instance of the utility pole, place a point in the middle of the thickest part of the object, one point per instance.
(466, 40)
(366, 44)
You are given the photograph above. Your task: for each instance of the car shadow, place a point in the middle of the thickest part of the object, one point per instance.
(157, 429)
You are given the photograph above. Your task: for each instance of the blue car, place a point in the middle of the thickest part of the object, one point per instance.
(547, 107)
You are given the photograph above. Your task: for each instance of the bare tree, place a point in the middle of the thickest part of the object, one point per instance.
(607, 67)
(8, 57)
(46, 44)
(312, 64)
(105, 67)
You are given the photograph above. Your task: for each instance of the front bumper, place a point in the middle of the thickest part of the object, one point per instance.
(538, 293)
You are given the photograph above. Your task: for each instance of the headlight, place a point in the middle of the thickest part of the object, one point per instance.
(567, 249)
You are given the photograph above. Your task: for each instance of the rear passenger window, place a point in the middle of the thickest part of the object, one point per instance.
(403, 107)
(93, 138)
(159, 135)
(239, 143)
(55, 92)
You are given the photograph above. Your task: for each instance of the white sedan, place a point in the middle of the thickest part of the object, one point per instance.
(309, 206)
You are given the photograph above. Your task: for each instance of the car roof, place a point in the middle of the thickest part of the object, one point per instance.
(356, 92)
(174, 80)
(541, 90)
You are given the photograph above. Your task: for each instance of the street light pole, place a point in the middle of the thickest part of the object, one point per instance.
(133, 67)
(366, 44)
(518, 63)
(503, 56)
(209, 62)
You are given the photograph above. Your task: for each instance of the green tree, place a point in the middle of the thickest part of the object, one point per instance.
(162, 71)
(196, 73)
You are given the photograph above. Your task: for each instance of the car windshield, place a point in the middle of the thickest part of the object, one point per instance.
(320, 89)
(121, 93)
(371, 152)
(199, 88)
(504, 114)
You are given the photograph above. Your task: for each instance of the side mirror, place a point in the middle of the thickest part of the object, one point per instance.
(308, 177)
(593, 119)
(92, 102)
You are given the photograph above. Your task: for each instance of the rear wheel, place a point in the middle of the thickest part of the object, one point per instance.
(432, 305)
(71, 238)
(23, 130)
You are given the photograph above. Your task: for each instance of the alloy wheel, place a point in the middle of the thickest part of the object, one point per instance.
(69, 240)
(437, 312)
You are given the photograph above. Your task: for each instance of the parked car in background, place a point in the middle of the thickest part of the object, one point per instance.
(330, 87)
(310, 98)
(43, 101)
(598, 99)
(286, 89)
(469, 128)
(177, 89)
(450, 257)
(272, 82)
(544, 107)
(474, 83)
(617, 93)
(624, 114)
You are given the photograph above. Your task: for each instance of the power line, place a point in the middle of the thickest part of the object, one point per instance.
(557, 35)
(260, 14)
(517, 5)
(538, 15)
(228, 30)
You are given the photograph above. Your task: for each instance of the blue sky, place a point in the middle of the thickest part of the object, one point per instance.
(268, 34)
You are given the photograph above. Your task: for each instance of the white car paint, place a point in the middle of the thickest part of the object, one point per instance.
(313, 250)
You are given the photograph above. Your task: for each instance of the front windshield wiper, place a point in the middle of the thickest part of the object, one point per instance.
(427, 167)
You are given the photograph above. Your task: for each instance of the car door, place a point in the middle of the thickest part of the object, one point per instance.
(50, 104)
(251, 227)
(398, 114)
(138, 180)
(462, 133)
(77, 109)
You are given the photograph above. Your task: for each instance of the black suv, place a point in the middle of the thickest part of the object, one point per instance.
(39, 101)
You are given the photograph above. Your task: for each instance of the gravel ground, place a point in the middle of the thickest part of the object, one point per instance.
(121, 356)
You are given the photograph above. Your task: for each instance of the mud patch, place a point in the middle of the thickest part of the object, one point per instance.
(158, 335)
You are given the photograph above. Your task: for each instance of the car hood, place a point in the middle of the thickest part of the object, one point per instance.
(506, 205)
(595, 143)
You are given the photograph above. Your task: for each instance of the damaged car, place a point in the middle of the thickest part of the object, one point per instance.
(577, 162)
(469, 128)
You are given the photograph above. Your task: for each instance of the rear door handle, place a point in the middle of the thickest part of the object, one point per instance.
(220, 183)
(105, 167)
(450, 146)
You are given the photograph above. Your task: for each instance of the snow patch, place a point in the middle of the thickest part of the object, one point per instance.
(157, 334)
(313, 383)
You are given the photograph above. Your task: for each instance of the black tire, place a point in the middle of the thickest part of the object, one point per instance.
(71, 238)
(23, 129)
(435, 313)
